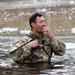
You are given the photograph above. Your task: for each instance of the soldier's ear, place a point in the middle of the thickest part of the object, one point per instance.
(33, 25)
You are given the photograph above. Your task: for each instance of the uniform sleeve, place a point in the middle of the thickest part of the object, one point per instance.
(57, 47)
(22, 52)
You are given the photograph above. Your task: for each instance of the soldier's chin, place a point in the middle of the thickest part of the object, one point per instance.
(40, 32)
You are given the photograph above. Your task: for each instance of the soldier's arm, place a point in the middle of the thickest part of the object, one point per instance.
(21, 52)
(57, 47)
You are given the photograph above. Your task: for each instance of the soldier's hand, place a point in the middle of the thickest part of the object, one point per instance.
(33, 43)
(47, 31)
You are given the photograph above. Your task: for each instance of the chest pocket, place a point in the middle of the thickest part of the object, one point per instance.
(47, 48)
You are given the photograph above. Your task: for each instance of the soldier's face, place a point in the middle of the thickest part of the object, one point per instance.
(40, 23)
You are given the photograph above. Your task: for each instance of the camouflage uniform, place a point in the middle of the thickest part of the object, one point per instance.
(42, 53)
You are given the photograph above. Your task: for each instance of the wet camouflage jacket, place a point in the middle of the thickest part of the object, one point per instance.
(42, 53)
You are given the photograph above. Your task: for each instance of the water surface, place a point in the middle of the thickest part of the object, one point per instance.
(61, 65)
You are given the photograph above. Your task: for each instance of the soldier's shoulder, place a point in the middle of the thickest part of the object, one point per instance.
(25, 37)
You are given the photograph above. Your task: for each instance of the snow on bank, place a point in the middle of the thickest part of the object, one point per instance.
(24, 31)
(8, 29)
(73, 30)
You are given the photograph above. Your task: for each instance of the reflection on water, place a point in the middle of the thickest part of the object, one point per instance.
(64, 65)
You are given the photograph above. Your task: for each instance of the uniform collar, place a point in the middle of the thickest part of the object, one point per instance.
(36, 36)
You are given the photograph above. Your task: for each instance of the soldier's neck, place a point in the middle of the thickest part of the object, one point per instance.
(38, 34)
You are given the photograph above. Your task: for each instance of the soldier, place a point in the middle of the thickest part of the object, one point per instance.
(40, 43)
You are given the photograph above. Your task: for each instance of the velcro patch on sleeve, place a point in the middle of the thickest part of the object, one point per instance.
(18, 45)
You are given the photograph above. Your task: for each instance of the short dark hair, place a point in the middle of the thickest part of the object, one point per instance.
(33, 18)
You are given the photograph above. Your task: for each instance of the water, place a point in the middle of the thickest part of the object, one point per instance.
(14, 24)
(62, 65)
